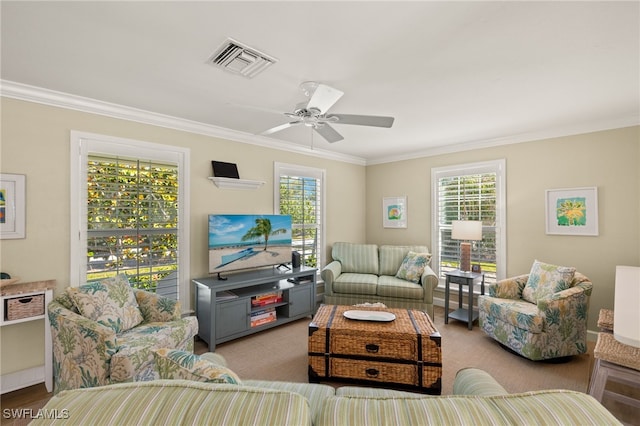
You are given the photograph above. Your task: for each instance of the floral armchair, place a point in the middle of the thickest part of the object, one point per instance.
(540, 315)
(106, 332)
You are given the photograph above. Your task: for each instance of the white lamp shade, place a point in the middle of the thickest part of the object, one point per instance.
(466, 230)
(626, 311)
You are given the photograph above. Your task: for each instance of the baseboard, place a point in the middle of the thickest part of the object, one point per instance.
(21, 379)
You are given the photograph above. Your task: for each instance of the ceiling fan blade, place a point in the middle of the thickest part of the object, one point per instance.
(363, 120)
(329, 133)
(280, 127)
(324, 97)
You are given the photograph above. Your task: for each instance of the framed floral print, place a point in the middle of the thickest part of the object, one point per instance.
(572, 211)
(394, 212)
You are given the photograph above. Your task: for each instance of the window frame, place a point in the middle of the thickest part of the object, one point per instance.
(82, 145)
(312, 172)
(493, 166)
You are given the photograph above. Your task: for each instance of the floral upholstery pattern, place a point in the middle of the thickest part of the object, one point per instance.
(110, 302)
(412, 266)
(175, 364)
(87, 353)
(555, 326)
(545, 279)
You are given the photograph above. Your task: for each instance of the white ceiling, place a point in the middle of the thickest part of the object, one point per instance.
(453, 74)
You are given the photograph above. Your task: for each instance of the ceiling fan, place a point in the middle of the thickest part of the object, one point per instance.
(314, 113)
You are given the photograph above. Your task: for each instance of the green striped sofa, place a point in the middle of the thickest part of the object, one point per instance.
(478, 400)
(366, 273)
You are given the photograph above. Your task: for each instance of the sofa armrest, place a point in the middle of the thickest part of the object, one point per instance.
(82, 349)
(329, 274)
(429, 281)
(156, 308)
(566, 302)
(510, 288)
(473, 381)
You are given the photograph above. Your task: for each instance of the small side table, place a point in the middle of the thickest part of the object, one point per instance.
(41, 294)
(462, 278)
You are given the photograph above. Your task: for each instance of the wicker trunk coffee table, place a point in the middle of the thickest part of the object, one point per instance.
(401, 353)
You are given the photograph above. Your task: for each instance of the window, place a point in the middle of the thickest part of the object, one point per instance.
(299, 193)
(130, 215)
(472, 192)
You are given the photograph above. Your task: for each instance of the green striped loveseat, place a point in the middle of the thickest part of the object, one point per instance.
(367, 273)
(478, 400)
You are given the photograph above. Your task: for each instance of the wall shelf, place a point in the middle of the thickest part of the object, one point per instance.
(230, 183)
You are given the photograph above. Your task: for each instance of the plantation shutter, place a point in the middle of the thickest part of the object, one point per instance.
(469, 193)
(132, 222)
(300, 196)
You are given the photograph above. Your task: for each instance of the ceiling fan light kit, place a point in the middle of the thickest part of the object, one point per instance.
(314, 113)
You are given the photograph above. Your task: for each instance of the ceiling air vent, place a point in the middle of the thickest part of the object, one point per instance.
(237, 58)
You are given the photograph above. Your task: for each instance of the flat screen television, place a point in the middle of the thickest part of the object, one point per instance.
(245, 241)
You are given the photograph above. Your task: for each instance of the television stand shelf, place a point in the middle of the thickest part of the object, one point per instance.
(249, 302)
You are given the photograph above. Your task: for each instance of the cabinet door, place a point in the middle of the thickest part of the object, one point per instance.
(232, 317)
(300, 300)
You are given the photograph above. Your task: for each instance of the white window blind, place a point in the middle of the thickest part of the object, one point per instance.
(470, 192)
(299, 194)
(132, 222)
(129, 213)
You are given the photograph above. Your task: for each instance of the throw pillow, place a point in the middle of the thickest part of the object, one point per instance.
(412, 266)
(177, 364)
(545, 279)
(110, 302)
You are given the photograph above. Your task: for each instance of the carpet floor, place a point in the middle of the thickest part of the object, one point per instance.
(281, 354)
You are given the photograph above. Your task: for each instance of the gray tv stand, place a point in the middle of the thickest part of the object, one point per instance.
(224, 307)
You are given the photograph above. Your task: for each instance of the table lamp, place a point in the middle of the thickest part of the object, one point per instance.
(626, 308)
(466, 230)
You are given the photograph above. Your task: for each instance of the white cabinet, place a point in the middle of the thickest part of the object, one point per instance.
(22, 302)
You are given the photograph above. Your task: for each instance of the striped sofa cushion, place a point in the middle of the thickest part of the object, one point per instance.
(391, 257)
(314, 393)
(179, 402)
(360, 258)
(557, 407)
(397, 288)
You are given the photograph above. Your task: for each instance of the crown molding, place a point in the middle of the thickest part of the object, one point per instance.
(48, 97)
(24, 92)
(451, 147)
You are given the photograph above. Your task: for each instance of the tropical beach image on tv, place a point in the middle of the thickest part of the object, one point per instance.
(242, 241)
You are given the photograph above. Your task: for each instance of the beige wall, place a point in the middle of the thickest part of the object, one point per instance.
(608, 160)
(35, 142)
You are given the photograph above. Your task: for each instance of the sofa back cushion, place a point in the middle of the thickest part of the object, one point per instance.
(358, 258)
(110, 302)
(558, 407)
(391, 257)
(180, 402)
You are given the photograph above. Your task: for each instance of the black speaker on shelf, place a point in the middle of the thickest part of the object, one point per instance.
(295, 259)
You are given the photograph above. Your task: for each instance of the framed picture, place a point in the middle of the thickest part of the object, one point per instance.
(394, 212)
(12, 206)
(572, 211)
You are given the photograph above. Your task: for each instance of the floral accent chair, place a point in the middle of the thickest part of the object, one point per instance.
(105, 332)
(540, 315)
